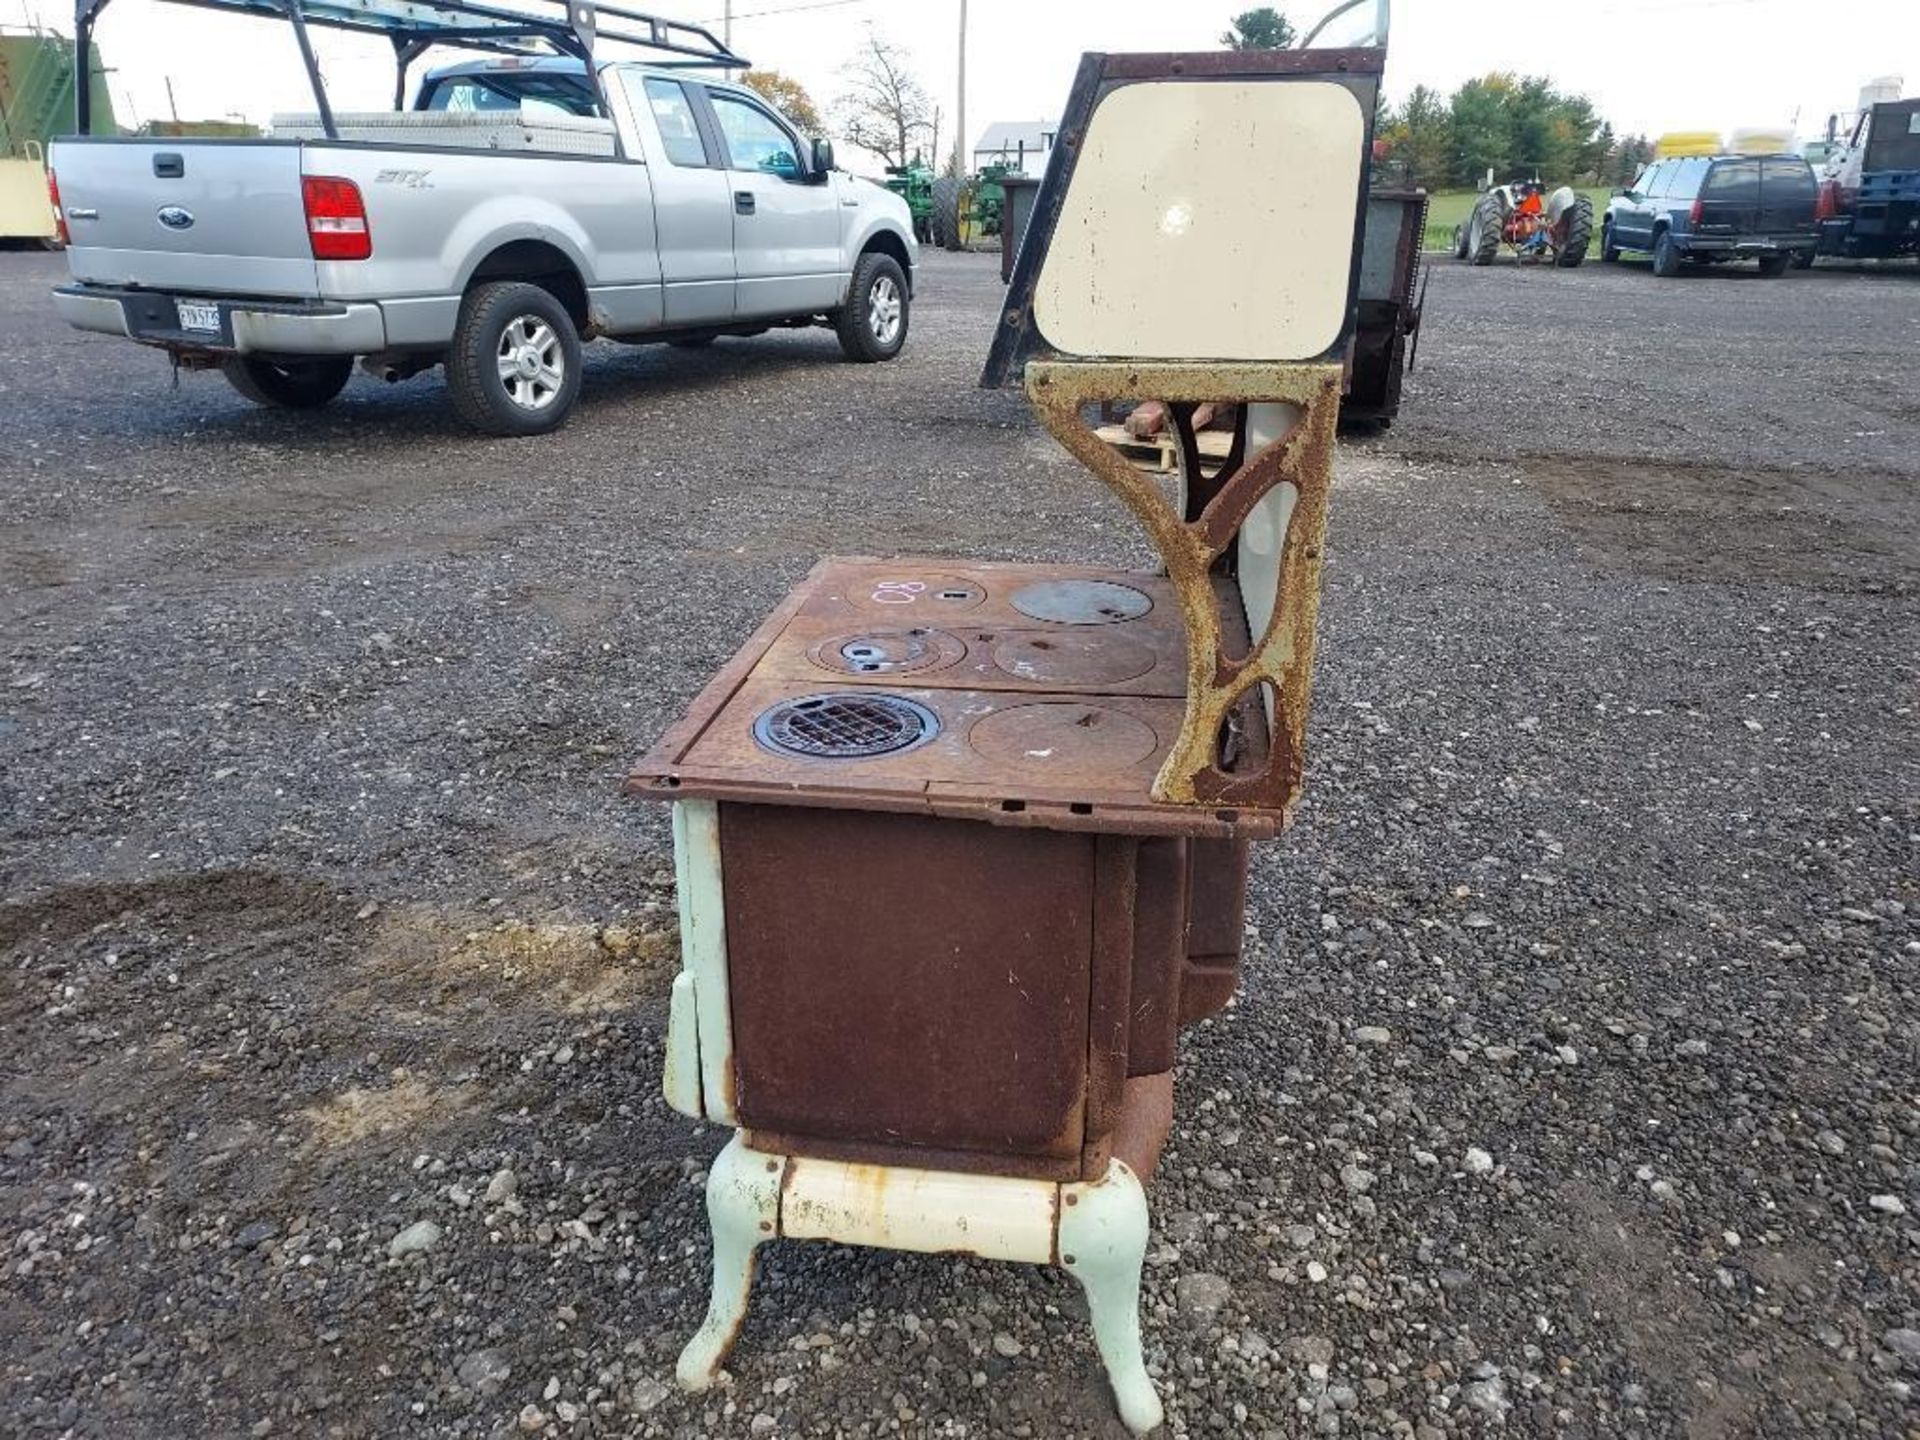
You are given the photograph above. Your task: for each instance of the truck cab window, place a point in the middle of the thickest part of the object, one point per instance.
(755, 140)
(673, 113)
(530, 92)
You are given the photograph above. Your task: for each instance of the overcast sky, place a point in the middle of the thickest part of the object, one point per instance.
(1652, 65)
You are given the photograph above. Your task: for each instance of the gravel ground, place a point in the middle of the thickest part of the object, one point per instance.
(1571, 1090)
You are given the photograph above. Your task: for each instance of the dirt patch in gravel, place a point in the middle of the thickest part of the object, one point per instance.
(308, 1018)
(1848, 530)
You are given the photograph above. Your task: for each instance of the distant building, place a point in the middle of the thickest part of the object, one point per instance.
(1022, 145)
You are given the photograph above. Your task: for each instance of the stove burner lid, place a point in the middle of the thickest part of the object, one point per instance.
(1069, 739)
(1079, 658)
(908, 595)
(1081, 602)
(888, 652)
(845, 726)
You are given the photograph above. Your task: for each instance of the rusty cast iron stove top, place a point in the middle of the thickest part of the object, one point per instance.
(1020, 694)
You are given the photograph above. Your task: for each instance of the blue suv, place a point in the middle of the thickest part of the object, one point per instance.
(1715, 208)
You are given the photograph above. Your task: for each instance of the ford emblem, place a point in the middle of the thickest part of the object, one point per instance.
(176, 217)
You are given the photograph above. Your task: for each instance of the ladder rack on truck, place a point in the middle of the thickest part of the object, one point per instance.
(559, 27)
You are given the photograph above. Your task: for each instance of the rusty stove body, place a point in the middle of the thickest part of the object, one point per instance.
(961, 846)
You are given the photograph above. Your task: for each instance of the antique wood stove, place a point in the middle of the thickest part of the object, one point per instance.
(962, 846)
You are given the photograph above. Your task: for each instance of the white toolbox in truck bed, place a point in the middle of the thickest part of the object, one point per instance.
(552, 134)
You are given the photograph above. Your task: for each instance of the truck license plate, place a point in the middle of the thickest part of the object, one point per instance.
(199, 315)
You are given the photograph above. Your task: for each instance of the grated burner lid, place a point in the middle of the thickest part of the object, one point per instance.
(845, 726)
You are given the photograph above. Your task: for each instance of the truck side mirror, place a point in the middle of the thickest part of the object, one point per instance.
(822, 156)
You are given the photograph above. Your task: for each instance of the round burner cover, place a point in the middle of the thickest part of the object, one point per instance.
(888, 652)
(912, 596)
(1073, 657)
(1081, 602)
(1070, 740)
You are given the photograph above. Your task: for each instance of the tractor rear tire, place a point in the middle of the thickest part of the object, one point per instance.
(1483, 231)
(946, 212)
(1667, 257)
(1460, 242)
(1576, 232)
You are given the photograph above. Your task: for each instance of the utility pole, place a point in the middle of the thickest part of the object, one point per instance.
(960, 110)
(172, 104)
(726, 36)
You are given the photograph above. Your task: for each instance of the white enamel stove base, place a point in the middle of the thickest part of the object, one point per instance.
(1096, 1231)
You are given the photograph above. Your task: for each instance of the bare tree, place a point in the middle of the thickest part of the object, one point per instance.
(885, 108)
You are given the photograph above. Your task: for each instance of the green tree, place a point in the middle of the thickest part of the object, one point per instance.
(1523, 123)
(1264, 28)
(1628, 158)
(1482, 137)
(788, 96)
(1419, 138)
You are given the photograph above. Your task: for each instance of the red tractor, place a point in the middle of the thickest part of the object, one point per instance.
(1555, 226)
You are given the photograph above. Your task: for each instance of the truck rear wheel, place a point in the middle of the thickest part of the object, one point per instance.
(514, 368)
(1666, 256)
(872, 325)
(288, 384)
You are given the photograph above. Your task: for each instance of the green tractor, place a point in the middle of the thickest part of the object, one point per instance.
(966, 209)
(914, 183)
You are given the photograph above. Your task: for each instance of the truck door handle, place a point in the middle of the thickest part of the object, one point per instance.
(168, 166)
(743, 202)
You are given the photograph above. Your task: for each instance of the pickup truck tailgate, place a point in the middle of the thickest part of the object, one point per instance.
(206, 216)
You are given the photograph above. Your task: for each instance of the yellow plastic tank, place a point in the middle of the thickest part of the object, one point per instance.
(1761, 140)
(1678, 144)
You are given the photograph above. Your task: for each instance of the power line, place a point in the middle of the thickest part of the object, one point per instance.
(1668, 6)
(784, 10)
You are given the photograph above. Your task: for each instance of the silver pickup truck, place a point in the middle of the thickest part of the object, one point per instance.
(522, 205)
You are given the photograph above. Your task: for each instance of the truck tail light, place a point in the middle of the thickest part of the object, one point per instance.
(1699, 209)
(59, 214)
(336, 218)
(1828, 205)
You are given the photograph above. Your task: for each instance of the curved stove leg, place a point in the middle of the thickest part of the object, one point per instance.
(1103, 1245)
(743, 1209)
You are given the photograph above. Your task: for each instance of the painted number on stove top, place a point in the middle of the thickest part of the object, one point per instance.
(898, 592)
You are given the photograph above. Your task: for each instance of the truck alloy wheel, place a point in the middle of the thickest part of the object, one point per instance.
(514, 368)
(885, 313)
(872, 325)
(532, 366)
